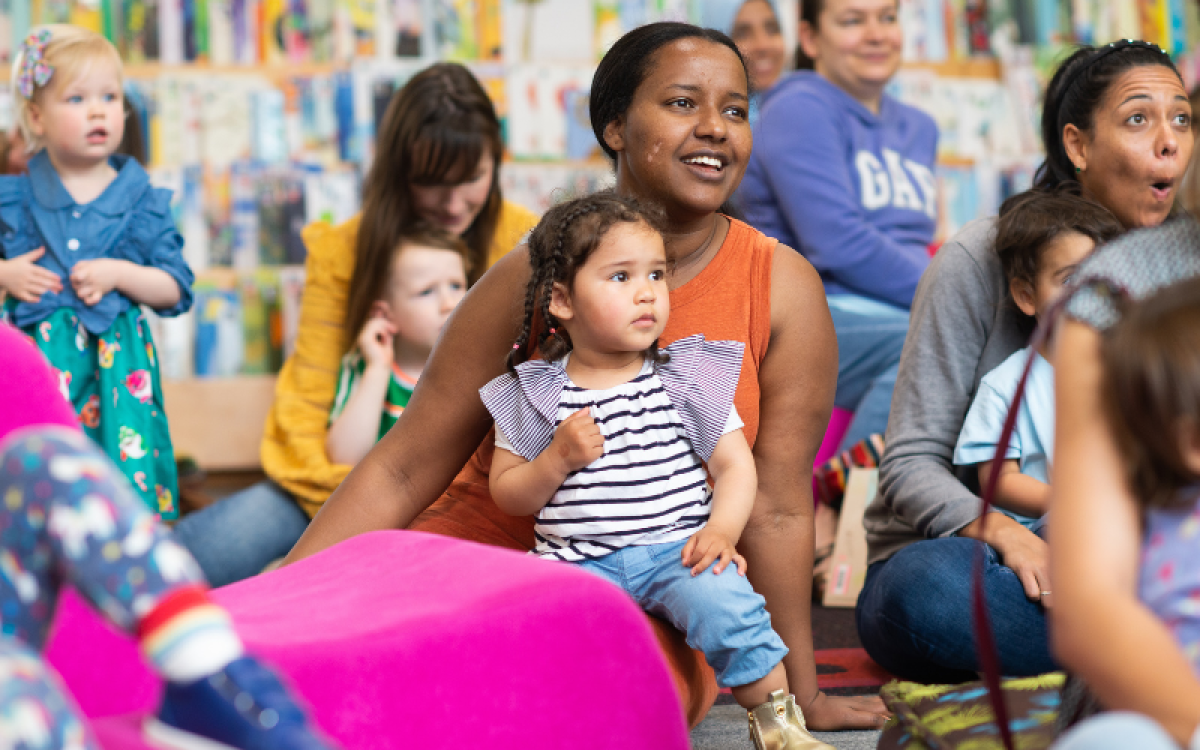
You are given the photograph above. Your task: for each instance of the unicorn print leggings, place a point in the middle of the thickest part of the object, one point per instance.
(67, 516)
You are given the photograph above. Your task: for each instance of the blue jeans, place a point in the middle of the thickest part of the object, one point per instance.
(237, 536)
(1118, 730)
(914, 614)
(869, 347)
(721, 615)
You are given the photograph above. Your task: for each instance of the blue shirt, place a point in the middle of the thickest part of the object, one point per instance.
(131, 220)
(1032, 444)
(853, 191)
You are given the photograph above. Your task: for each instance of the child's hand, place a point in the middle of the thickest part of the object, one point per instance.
(709, 544)
(375, 343)
(578, 441)
(92, 279)
(25, 280)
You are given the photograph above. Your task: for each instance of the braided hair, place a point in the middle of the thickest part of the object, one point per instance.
(559, 245)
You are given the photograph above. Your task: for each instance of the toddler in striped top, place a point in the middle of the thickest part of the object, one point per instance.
(605, 438)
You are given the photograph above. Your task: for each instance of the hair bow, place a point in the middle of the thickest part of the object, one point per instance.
(34, 70)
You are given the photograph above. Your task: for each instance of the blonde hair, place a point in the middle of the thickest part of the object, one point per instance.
(69, 53)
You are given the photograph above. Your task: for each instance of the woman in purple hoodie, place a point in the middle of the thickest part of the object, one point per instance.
(844, 174)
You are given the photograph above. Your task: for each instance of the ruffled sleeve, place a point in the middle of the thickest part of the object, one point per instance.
(701, 379)
(18, 232)
(525, 406)
(152, 240)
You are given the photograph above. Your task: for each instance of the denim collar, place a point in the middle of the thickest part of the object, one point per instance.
(50, 194)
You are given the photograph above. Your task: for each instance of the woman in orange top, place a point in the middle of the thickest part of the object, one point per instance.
(437, 160)
(669, 105)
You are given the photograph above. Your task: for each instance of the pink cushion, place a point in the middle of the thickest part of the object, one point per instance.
(403, 639)
(31, 395)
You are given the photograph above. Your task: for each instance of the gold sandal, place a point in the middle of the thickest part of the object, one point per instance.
(779, 725)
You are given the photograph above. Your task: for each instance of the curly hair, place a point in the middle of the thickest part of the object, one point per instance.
(558, 247)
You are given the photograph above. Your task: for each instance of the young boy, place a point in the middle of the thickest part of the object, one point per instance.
(1041, 237)
(417, 289)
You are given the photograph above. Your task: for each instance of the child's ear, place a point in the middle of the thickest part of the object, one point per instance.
(1022, 294)
(35, 120)
(380, 309)
(560, 302)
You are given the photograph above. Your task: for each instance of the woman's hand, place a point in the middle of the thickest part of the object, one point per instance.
(375, 343)
(24, 279)
(1020, 549)
(833, 714)
(709, 544)
(92, 279)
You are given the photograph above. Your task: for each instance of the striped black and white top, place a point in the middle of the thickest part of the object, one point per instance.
(650, 486)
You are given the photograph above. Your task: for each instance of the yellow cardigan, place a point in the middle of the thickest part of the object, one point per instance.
(293, 444)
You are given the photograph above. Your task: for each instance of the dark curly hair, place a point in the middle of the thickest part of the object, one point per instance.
(558, 246)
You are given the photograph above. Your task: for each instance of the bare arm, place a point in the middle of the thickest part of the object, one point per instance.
(1097, 618)
(1015, 491)
(442, 425)
(797, 381)
(353, 433)
(735, 485)
(148, 286)
(522, 488)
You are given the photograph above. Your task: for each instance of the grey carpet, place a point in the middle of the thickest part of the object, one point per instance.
(725, 728)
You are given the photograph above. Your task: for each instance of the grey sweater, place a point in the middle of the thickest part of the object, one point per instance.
(964, 324)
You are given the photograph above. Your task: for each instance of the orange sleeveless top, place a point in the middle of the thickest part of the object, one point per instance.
(730, 300)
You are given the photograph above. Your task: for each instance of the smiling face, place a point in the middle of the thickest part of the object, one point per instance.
(756, 32)
(856, 45)
(81, 121)
(684, 141)
(618, 303)
(455, 207)
(426, 284)
(1135, 155)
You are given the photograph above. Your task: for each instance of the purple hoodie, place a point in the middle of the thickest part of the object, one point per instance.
(854, 192)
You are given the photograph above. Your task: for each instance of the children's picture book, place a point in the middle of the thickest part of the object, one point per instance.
(220, 348)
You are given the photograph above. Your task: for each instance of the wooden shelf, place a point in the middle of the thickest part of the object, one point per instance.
(973, 67)
(219, 421)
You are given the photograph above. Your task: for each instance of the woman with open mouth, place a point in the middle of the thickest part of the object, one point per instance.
(1116, 124)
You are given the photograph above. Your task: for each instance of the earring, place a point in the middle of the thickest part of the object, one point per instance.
(1078, 170)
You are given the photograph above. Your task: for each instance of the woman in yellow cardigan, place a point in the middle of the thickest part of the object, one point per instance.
(437, 160)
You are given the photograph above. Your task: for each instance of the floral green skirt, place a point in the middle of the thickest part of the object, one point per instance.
(112, 381)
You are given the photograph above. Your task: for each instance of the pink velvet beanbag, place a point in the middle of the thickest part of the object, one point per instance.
(400, 639)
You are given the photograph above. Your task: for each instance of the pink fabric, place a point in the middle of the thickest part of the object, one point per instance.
(402, 639)
(28, 382)
(839, 422)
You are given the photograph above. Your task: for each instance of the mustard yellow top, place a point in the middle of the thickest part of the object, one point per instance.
(293, 444)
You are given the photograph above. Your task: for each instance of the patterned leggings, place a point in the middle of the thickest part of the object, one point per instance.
(67, 515)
